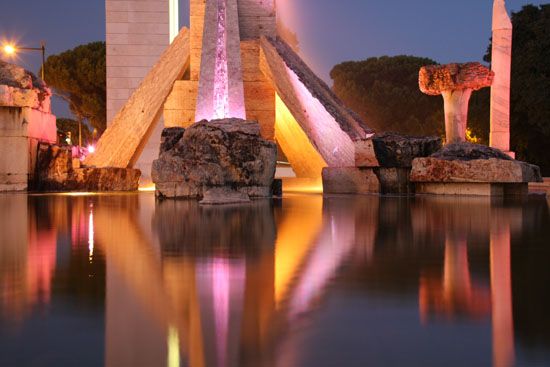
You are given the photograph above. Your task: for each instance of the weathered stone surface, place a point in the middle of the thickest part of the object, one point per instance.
(390, 150)
(170, 137)
(436, 79)
(465, 151)
(55, 172)
(21, 88)
(470, 171)
(221, 153)
(472, 189)
(350, 180)
(455, 82)
(223, 195)
(394, 181)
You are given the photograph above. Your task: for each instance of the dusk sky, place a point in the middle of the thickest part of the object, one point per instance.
(330, 31)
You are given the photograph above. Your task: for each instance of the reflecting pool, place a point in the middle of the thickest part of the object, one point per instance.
(124, 280)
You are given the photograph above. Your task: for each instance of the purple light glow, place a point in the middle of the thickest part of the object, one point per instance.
(221, 79)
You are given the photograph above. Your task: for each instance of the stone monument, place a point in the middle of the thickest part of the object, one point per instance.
(264, 79)
(455, 82)
(501, 64)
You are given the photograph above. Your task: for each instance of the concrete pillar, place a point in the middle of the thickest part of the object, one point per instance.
(137, 32)
(501, 64)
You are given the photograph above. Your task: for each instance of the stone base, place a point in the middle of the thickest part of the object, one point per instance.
(223, 196)
(353, 180)
(350, 180)
(189, 190)
(395, 181)
(473, 189)
(93, 180)
(56, 171)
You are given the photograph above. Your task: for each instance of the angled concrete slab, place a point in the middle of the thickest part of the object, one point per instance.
(123, 141)
(331, 128)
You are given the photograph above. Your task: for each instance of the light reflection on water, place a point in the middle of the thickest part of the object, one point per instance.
(122, 280)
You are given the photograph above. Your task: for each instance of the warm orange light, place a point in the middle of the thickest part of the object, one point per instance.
(147, 188)
(9, 49)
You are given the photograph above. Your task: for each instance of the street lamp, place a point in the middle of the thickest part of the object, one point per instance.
(10, 49)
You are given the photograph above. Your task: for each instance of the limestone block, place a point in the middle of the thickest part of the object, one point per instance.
(223, 195)
(41, 126)
(123, 141)
(330, 126)
(474, 171)
(350, 180)
(14, 156)
(472, 189)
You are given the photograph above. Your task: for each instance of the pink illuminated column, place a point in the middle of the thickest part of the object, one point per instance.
(221, 91)
(501, 64)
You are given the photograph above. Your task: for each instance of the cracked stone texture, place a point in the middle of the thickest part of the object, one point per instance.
(21, 88)
(228, 153)
(465, 151)
(55, 172)
(398, 151)
(472, 163)
(436, 79)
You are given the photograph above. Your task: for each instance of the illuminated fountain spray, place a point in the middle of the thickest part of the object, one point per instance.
(221, 92)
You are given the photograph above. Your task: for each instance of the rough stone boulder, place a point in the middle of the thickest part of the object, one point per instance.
(468, 152)
(436, 79)
(21, 88)
(472, 163)
(55, 172)
(455, 82)
(210, 158)
(390, 150)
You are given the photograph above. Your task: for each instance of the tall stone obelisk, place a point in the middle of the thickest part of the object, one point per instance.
(501, 64)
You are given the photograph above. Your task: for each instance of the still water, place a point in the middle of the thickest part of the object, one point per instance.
(122, 280)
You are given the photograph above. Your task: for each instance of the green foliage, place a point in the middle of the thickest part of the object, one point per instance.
(65, 126)
(79, 77)
(384, 91)
(530, 90)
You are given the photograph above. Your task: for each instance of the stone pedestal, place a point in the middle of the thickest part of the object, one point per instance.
(470, 169)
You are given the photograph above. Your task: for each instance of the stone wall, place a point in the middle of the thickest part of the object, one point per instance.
(21, 129)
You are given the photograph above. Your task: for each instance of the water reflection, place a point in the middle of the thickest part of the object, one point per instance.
(299, 282)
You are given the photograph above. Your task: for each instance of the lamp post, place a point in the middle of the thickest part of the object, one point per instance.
(10, 49)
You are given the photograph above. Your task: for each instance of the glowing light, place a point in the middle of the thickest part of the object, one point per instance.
(174, 19)
(91, 149)
(10, 49)
(303, 185)
(221, 83)
(91, 233)
(173, 347)
(147, 188)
